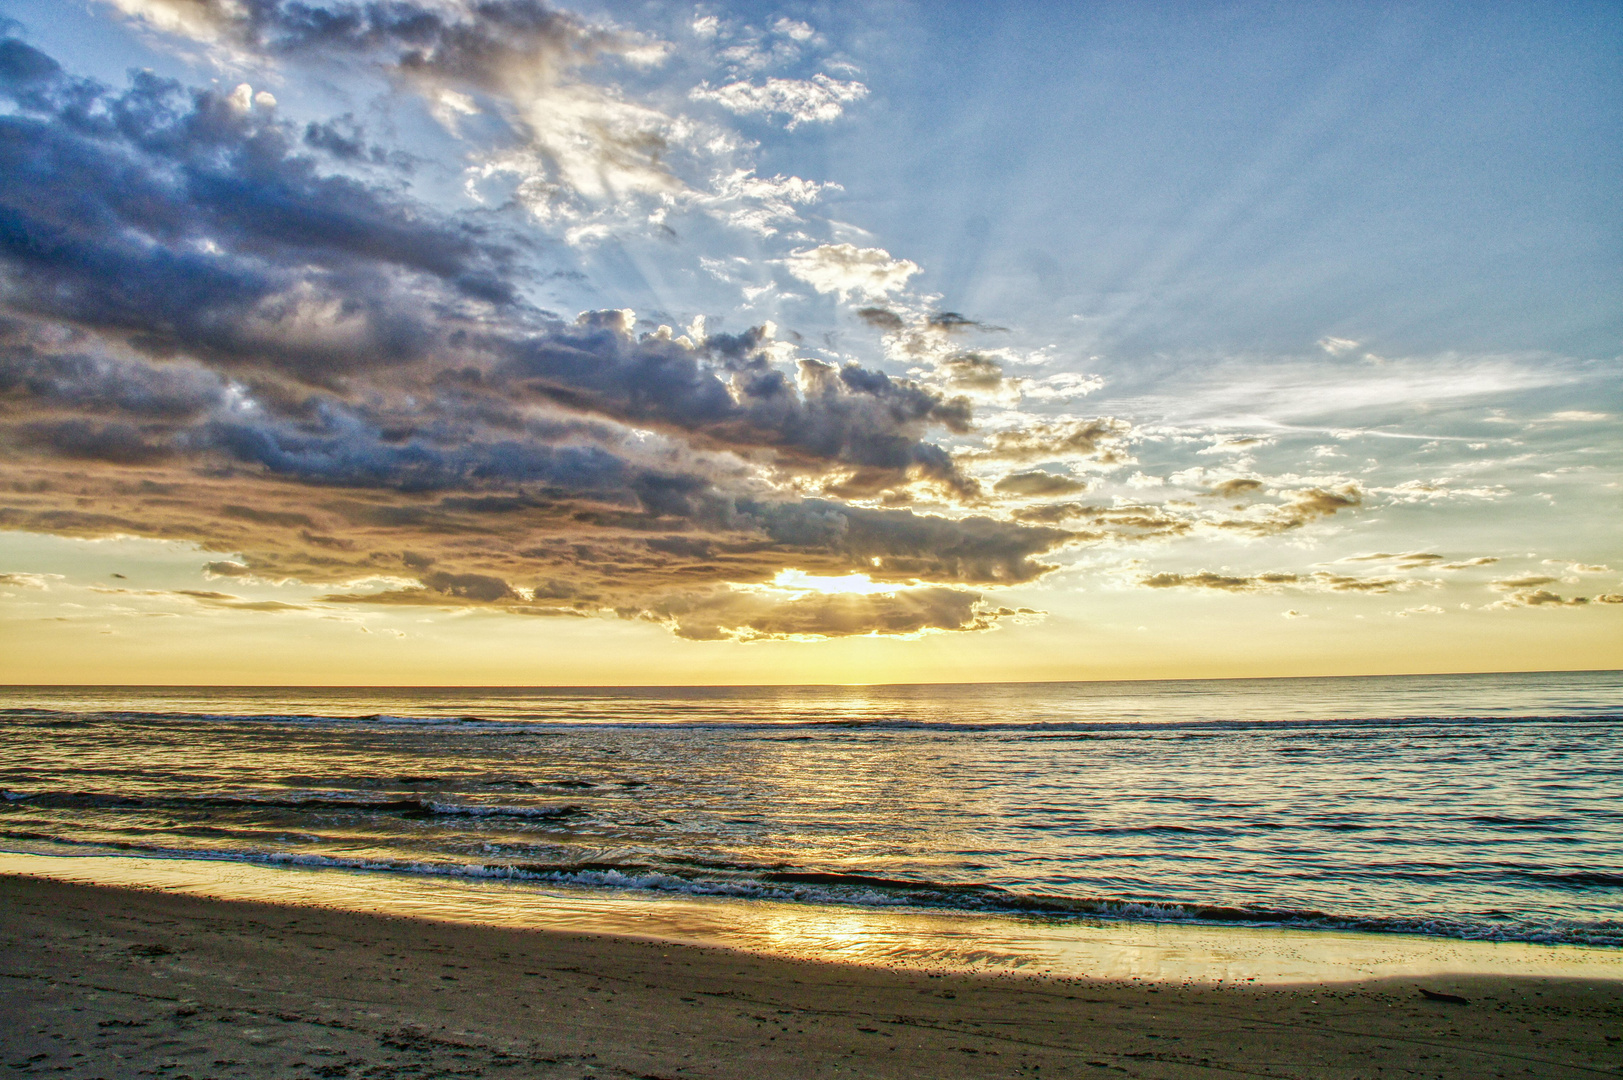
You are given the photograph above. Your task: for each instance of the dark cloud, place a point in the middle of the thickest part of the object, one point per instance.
(429, 41)
(730, 394)
(951, 322)
(883, 318)
(115, 442)
(181, 225)
(207, 335)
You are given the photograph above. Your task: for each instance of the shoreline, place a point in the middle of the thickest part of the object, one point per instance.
(162, 981)
(900, 938)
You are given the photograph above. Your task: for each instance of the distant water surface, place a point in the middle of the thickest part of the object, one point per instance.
(1484, 806)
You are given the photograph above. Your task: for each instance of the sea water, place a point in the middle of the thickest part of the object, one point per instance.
(1472, 806)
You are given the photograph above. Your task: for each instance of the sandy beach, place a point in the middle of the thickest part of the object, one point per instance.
(100, 981)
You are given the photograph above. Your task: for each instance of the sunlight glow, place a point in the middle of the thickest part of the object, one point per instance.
(859, 584)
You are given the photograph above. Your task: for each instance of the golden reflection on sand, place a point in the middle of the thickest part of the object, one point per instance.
(906, 938)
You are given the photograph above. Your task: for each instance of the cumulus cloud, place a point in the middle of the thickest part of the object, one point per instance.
(1101, 440)
(817, 100)
(762, 204)
(518, 60)
(848, 270)
(207, 335)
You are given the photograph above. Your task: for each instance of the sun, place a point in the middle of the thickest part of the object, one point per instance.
(855, 584)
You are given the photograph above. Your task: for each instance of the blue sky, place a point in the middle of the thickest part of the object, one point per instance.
(1094, 341)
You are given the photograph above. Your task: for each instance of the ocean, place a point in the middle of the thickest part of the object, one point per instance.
(1468, 806)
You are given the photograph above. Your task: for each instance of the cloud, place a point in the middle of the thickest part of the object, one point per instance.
(1577, 416)
(1416, 491)
(1302, 507)
(28, 581)
(206, 335)
(1535, 598)
(1530, 581)
(1234, 444)
(848, 270)
(1410, 560)
(1423, 560)
(520, 60)
(761, 204)
(752, 615)
(1235, 488)
(1529, 591)
(818, 100)
(1126, 522)
(1038, 485)
(262, 264)
(1064, 386)
(1275, 581)
(1102, 440)
(236, 603)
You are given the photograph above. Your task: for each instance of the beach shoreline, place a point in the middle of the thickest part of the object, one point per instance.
(161, 981)
(891, 936)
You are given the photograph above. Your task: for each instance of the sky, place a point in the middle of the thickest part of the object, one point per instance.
(476, 342)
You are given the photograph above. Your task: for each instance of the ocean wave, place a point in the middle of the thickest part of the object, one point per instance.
(408, 807)
(863, 890)
(1080, 728)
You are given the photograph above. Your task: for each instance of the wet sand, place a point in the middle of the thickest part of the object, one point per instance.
(99, 981)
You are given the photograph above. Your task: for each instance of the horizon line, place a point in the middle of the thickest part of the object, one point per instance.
(783, 685)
